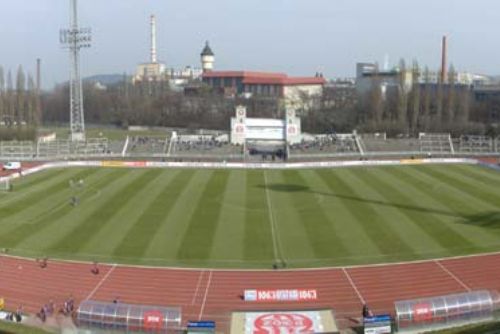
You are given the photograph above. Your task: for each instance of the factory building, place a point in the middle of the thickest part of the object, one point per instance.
(152, 70)
(369, 75)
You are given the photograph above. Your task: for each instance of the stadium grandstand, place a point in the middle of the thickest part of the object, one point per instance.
(203, 146)
(17, 150)
(218, 146)
(140, 146)
(326, 145)
(476, 144)
(378, 143)
(439, 143)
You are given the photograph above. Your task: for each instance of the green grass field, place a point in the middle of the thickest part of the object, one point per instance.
(249, 219)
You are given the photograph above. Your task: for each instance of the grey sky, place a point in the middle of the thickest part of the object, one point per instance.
(299, 37)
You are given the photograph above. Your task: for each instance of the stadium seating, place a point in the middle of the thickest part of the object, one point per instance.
(90, 147)
(147, 145)
(476, 144)
(436, 143)
(55, 148)
(330, 144)
(17, 149)
(382, 144)
(204, 145)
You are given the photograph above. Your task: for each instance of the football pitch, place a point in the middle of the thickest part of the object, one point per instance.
(253, 218)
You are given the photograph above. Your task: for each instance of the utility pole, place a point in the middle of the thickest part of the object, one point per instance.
(74, 39)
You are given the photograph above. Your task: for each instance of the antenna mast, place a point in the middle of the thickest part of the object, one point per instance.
(74, 39)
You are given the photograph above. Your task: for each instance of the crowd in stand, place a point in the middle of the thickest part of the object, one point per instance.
(330, 142)
(152, 142)
(200, 143)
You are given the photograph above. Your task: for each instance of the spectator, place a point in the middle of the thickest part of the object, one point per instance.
(95, 269)
(68, 306)
(366, 311)
(43, 263)
(50, 308)
(18, 316)
(42, 315)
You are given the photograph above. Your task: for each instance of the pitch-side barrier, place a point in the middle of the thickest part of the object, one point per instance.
(239, 165)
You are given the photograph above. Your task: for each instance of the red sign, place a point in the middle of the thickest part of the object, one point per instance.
(288, 295)
(278, 323)
(422, 312)
(135, 163)
(153, 320)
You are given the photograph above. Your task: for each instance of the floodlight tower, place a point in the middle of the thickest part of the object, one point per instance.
(74, 39)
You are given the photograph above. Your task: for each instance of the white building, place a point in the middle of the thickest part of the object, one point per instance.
(154, 70)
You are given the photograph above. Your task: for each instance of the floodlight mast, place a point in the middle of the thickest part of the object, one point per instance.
(74, 39)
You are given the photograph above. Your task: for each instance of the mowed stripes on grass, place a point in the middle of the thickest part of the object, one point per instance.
(252, 219)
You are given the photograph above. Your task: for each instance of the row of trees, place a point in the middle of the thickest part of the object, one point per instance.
(416, 104)
(412, 103)
(19, 106)
(151, 104)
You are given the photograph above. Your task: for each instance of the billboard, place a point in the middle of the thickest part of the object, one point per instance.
(295, 322)
(277, 295)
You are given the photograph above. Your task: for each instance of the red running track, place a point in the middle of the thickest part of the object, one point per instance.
(214, 294)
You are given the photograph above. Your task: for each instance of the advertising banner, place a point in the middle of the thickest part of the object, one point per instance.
(379, 324)
(277, 295)
(153, 320)
(303, 322)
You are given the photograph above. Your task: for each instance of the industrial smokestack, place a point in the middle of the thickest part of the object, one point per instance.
(153, 40)
(444, 60)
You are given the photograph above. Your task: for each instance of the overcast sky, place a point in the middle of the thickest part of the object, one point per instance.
(299, 37)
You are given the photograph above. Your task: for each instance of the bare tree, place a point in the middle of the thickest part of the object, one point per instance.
(415, 97)
(20, 97)
(439, 104)
(427, 99)
(2, 94)
(31, 103)
(10, 108)
(402, 104)
(450, 98)
(376, 99)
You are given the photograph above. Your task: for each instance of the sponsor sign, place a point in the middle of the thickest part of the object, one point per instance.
(117, 163)
(277, 295)
(422, 312)
(201, 324)
(135, 163)
(283, 323)
(379, 324)
(153, 320)
(412, 161)
(240, 128)
(112, 163)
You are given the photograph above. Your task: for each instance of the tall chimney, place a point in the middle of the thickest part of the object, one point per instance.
(444, 61)
(154, 59)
